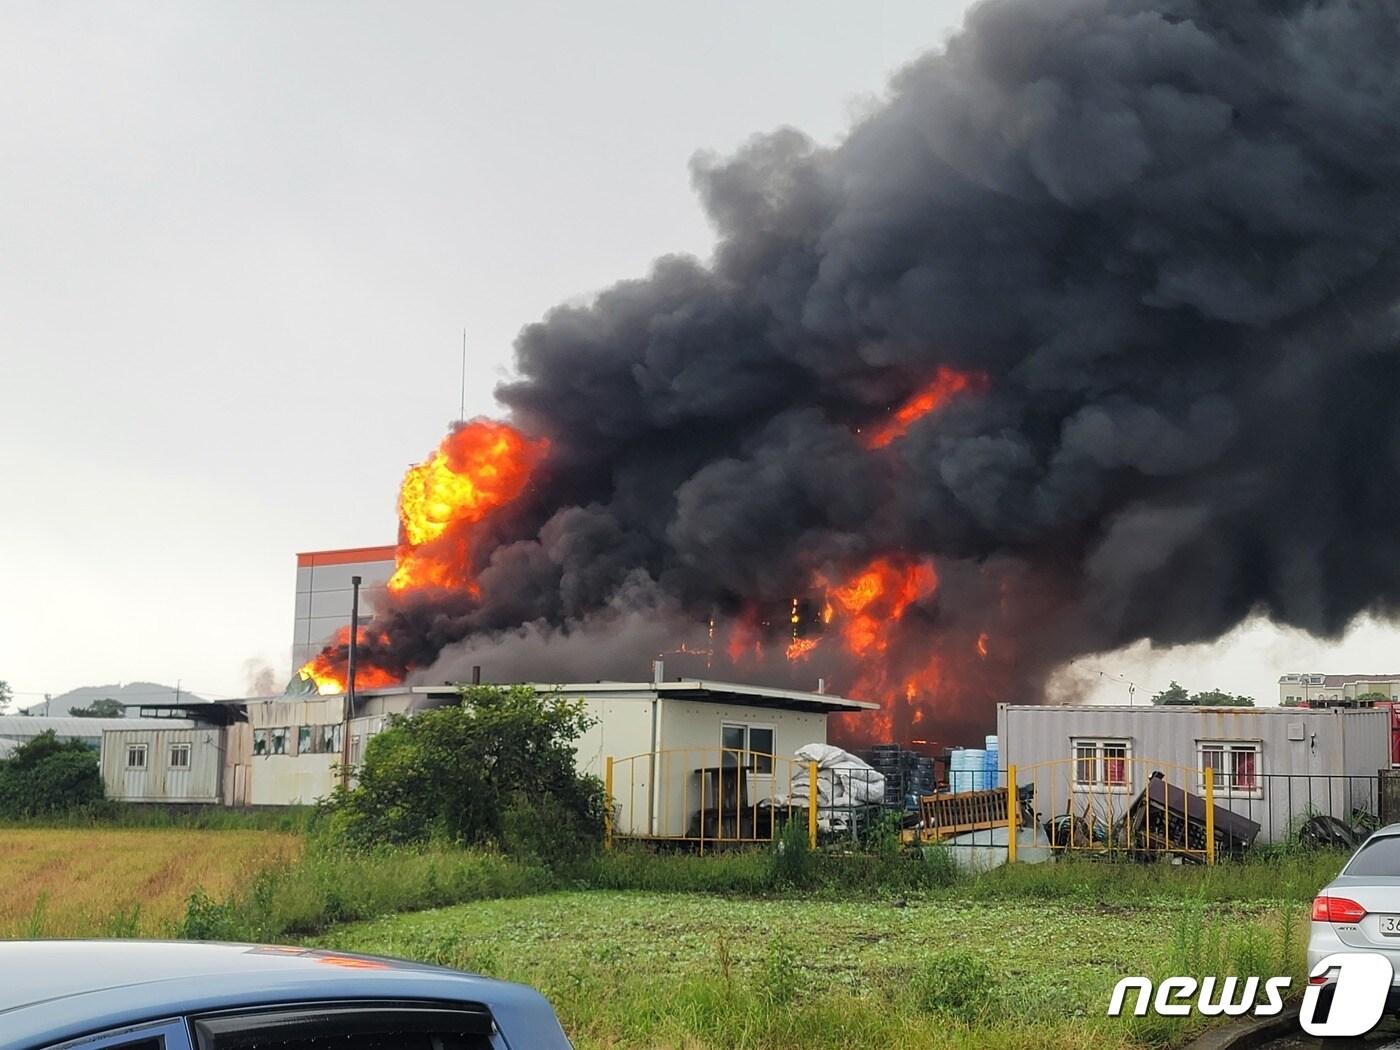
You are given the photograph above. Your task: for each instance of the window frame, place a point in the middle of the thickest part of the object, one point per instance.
(1229, 748)
(144, 751)
(1099, 745)
(173, 1034)
(184, 749)
(747, 753)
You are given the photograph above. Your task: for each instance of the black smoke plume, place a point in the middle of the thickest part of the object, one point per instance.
(1166, 234)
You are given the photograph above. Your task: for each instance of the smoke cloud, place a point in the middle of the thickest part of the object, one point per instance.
(1165, 232)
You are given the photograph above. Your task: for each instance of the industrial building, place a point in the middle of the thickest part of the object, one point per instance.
(661, 735)
(686, 747)
(323, 593)
(1273, 765)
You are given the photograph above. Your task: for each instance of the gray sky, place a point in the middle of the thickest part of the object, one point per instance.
(241, 241)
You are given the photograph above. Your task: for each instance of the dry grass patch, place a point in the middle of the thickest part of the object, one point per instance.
(71, 882)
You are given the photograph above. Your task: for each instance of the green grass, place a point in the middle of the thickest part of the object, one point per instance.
(633, 969)
(294, 819)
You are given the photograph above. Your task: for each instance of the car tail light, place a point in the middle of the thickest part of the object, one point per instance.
(1337, 909)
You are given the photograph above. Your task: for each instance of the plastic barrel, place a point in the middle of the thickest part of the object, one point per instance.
(975, 769)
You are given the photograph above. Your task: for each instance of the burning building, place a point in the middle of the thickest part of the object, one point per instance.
(1026, 366)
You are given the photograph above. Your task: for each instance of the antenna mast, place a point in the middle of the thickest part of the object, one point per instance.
(462, 411)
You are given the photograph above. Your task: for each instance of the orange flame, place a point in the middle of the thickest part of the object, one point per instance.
(477, 468)
(982, 645)
(877, 596)
(800, 648)
(330, 676)
(946, 384)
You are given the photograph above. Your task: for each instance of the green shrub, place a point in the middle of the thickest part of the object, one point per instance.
(450, 775)
(956, 984)
(793, 862)
(46, 776)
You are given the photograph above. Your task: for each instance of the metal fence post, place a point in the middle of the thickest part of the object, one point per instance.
(1210, 815)
(608, 804)
(811, 805)
(1011, 814)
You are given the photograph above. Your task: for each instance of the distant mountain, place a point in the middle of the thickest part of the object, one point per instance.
(133, 694)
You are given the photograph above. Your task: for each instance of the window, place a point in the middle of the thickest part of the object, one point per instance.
(1102, 765)
(259, 741)
(1235, 765)
(306, 737)
(179, 756)
(331, 738)
(355, 749)
(748, 746)
(1379, 856)
(136, 756)
(164, 1035)
(349, 1027)
(279, 740)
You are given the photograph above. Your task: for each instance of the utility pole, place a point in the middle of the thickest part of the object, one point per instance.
(350, 682)
(462, 411)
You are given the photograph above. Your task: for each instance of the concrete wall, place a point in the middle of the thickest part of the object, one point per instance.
(1309, 760)
(158, 780)
(323, 594)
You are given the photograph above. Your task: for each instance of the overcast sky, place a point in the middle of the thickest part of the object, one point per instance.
(240, 242)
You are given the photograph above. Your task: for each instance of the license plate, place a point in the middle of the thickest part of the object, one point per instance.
(1389, 925)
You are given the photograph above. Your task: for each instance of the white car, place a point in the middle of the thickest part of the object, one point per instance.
(1359, 910)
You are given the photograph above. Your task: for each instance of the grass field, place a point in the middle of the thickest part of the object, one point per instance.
(57, 882)
(630, 970)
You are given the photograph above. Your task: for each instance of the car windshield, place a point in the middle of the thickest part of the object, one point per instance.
(1380, 856)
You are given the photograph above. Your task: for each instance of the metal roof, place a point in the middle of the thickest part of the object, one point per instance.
(700, 690)
(24, 726)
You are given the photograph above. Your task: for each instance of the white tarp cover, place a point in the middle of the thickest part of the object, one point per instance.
(843, 782)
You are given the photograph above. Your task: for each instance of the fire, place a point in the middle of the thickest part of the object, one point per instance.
(982, 645)
(478, 468)
(800, 648)
(946, 384)
(328, 668)
(878, 596)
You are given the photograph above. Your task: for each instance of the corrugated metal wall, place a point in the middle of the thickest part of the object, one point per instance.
(1309, 760)
(157, 778)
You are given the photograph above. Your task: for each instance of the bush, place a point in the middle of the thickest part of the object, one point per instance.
(48, 776)
(956, 984)
(476, 773)
(793, 862)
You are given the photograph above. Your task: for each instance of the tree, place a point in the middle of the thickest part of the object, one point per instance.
(1172, 695)
(6, 695)
(46, 775)
(1175, 695)
(104, 708)
(496, 768)
(1216, 698)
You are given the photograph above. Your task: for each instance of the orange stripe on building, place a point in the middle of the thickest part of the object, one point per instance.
(347, 556)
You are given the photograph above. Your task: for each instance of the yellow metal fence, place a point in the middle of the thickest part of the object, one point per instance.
(709, 796)
(1119, 806)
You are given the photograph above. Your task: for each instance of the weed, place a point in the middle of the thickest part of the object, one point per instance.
(956, 984)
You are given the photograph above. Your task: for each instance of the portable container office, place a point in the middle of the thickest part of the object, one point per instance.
(181, 762)
(1275, 765)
